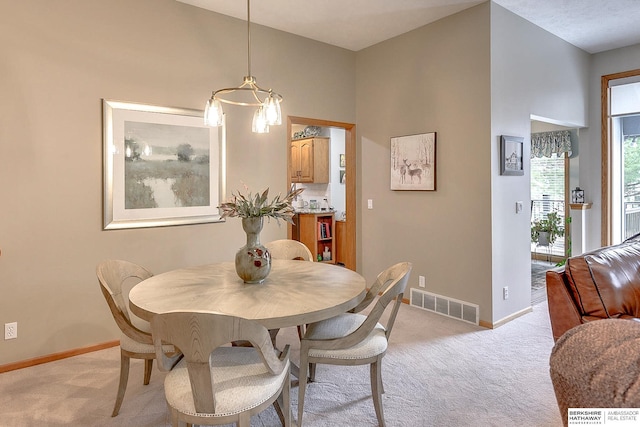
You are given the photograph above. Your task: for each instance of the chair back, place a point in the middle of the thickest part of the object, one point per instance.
(115, 278)
(288, 249)
(391, 282)
(197, 335)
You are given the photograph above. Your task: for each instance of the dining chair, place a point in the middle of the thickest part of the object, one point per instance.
(288, 249)
(219, 384)
(356, 339)
(116, 277)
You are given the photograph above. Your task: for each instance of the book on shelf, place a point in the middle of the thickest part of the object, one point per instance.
(324, 230)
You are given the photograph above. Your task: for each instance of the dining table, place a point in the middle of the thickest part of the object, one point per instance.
(294, 293)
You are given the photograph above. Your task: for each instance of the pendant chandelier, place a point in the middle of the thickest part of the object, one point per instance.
(248, 94)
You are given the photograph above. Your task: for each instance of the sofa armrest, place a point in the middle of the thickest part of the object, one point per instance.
(563, 312)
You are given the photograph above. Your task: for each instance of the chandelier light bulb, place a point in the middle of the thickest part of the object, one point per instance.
(213, 113)
(272, 111)
(260, 124)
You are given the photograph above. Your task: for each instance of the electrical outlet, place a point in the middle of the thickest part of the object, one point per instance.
(421, 281)
(10, 330)
(505, 292)
(370, 204)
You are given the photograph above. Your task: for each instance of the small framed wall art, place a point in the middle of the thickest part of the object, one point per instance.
(413, 162)
(511, 155)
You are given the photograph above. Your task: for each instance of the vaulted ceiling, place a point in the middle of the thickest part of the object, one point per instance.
(592, 25)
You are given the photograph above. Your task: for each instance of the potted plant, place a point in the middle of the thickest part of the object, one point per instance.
(546, 230)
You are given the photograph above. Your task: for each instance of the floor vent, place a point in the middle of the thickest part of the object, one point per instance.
(446, 306)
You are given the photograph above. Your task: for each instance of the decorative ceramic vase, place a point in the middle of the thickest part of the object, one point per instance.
(253, 261)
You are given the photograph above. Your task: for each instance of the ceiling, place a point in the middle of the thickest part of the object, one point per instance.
(592, 25)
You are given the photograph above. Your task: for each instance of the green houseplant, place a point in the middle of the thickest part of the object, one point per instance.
(546, 230)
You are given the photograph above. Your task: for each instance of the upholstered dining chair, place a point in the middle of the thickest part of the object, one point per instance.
(219, 384)
(288, 249)
(116, 278)
(356, 339)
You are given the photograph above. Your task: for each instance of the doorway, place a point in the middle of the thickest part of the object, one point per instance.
(551, 148)
(348, 178)
(623, 125)
(549, 165)
(615, 208)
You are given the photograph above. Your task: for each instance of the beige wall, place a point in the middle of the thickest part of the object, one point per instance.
(57, 61)
(434, 79)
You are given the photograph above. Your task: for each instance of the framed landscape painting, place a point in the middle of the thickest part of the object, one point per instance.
(162, 166)
(413, 162)
(511, 153)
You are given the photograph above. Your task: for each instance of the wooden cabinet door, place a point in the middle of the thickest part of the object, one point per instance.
(310, 160)
(306, 160)
(295, 161)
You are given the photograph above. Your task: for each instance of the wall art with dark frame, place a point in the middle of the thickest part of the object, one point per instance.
(162, 166)
(413, 162)
(511, 155)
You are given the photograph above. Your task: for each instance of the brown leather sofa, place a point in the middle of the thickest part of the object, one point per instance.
(601, 284)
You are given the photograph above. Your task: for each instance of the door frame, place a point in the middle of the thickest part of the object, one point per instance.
(350, 171)
(605, 133)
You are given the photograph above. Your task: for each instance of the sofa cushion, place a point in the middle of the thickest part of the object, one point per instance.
(606, 282)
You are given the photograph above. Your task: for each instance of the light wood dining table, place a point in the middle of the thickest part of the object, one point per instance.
(294, 293)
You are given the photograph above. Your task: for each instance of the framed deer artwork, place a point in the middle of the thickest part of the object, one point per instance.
(413, 162)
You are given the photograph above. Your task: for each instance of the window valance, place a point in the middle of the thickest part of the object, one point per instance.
(544, 144)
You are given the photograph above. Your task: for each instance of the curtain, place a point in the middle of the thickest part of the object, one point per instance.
(544, 144)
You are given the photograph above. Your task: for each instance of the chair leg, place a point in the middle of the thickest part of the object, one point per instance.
(312, 372)
(148, 367)
(286, 401)
(376, 389)
(122, 386)
(278, 405)
(302, 382)
(244, 419)
(175, 421)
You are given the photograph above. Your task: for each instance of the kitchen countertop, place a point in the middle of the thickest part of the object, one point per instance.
(314, 211)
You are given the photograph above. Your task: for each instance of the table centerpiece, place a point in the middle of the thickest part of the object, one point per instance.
(253, 261)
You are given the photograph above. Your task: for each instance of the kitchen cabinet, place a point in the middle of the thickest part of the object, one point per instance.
(316, 231)
(310, 160)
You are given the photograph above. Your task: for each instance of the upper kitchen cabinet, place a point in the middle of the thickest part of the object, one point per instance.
(310, 160)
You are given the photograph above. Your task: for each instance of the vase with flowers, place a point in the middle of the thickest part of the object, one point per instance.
(253, 261)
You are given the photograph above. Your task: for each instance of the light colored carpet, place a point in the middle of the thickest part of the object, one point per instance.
(437, 372)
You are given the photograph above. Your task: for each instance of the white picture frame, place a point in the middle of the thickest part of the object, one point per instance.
(162, 166)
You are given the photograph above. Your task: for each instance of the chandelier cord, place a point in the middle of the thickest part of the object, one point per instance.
(249, 38)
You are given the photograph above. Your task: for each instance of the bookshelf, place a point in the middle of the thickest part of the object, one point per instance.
(316, 231)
